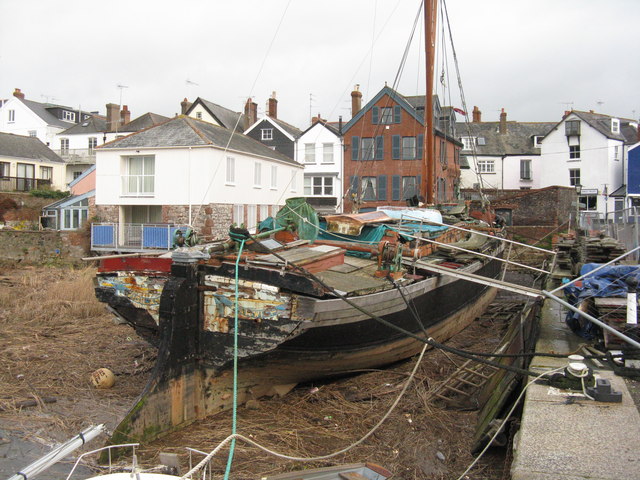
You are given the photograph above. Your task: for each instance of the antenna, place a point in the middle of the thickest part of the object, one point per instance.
(189, 82)
(121, 87)
(48, 97)
(599, 103)
(567, 105)
(310, 106)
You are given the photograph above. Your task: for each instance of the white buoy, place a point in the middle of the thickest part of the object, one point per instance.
(103, 378)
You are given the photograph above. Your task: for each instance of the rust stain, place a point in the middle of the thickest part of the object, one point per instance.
(176, 389)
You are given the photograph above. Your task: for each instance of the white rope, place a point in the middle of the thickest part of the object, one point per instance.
(238, 436)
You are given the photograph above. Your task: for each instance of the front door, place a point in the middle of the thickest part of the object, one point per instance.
(26, 174)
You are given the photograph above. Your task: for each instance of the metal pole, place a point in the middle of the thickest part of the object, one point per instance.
(592, 319)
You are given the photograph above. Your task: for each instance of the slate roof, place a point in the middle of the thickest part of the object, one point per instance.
(602, 123)
(40, 109)
(227, 118)
(184, 131)
(517, 141)
(295, 132)
(20, 146)
(143, 121)
(331, 126)
(93, 124)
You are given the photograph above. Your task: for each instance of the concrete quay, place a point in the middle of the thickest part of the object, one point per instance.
(566, 436)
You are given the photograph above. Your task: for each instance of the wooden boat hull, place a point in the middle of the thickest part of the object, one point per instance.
(193, 377)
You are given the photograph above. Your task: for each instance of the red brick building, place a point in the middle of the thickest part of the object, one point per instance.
(384, 152)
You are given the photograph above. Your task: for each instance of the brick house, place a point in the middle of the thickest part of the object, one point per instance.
(384, 152)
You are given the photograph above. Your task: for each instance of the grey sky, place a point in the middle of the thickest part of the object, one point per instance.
(527, 56)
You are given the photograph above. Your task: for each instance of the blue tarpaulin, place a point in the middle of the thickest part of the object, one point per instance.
(611, 281)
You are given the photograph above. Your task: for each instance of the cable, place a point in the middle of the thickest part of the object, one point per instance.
(234, 436)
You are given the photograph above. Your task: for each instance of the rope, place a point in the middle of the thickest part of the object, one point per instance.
(235, 362)
(235, 436)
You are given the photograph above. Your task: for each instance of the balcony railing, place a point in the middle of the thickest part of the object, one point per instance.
(77, 155)
(133, 237)
(19, 184)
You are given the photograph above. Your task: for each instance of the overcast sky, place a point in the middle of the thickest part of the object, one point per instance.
(530, 57)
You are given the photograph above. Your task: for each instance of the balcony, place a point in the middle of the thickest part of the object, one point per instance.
(133, 237)
(20, 184)
(77, 155)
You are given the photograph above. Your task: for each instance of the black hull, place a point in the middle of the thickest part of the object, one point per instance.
(193, 376)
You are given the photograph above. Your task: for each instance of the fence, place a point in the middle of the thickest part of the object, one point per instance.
(20, 184)
(623, 225)
(133, 237)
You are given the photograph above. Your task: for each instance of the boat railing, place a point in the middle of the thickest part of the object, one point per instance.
(133, 237)
(109, 467)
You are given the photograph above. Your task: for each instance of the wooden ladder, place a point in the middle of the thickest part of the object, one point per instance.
(465, 382)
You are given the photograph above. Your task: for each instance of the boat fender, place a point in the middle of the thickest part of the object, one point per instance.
(103, 378)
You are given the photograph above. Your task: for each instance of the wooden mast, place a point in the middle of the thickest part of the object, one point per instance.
(428, 165)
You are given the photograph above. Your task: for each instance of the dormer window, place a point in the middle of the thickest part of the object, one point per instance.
(68, 116)
(267, 134)
(537, 141)
(572, 127)
(615, 125)
(467, 143)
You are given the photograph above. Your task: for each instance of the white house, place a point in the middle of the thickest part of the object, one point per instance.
(34, 119)
(502, 155)
(320, 149)
(588, 149)
(191, 172)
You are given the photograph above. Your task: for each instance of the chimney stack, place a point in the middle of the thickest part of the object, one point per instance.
(317, 119)
(272, 106)
(250, 113)
(113, 110)
(356, 100)
(503, 122)
(477, 115)
(18, 93)
(184, 106)
(125, 115)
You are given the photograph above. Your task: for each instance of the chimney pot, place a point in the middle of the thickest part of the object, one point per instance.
(272, 106)
(356, 100)
(18, 93)
(503, 122)
(184, 106)
(125, 115)
(477, 115)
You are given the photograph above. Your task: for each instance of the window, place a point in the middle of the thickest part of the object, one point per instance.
(76, 174)
(75, 215)
(274, 176)
(327, 153)
(93, 143)
(33, 133)
(318, 186)
(309, 153)
(5, 169)
(46, 173)
(64, 146)
(443, 154)
(267, 133)
(588, 202)
(238, 215)
(409, 187)
(486, 166)
(140, 176)
(199, 115)
(386, 115)
(294, 181)
(264, 212)
(574, 176)
(616, 152)
(231, 170)
(257, 174)
(252, 217)
(537, 141)
(408, 148)
(467, 143)
(525, 169)
(26, 174)
(574, 152)
(572, 127)
(68, 116)
(367, 149)
(615, 125)
(369, 188)
(12, 116)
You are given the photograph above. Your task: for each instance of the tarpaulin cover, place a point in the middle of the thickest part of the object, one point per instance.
(372, 234)
(611, 281)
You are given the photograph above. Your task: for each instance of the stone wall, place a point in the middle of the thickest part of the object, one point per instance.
(31, 246)
(211, 222)
(107, 213)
